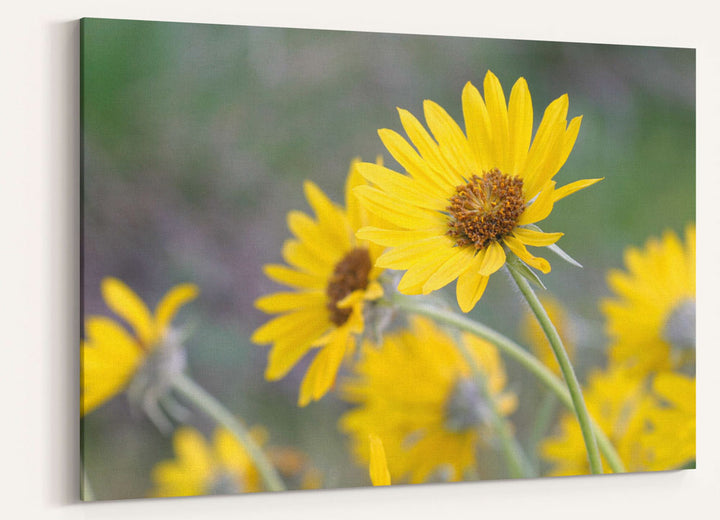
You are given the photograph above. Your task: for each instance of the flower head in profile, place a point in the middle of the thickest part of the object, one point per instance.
(417, 393)
(332, 276)
(651, 317)
(619, 403)
(113, 358)
(469, 197)
(201, 468)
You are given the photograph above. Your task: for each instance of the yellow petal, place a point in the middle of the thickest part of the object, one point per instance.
(321, 374)
(409, 159)
(571, 188)
(471, 285)
(395, 210)
(303, 258)
(404, 257)
(531, 237)
(493, 259)
(422, 268)
(289, 348)
(497, 110)
(397, 237)
(459, 262)
(540, 208)
(285, 275)
(374, 291)
(282, 325)
(171, 303)
(356, 213)
(521, 251)
(287, 301)
(545, 150)
(568, 141)
(520, 115)
(453, 143)
(109, 358)
(427, 147)
(479, 128)
(331, 219)
(125, 303)
(402, 186)
(321, 244)
(379, 473)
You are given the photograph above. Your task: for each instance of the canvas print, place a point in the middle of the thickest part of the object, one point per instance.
(329, 259)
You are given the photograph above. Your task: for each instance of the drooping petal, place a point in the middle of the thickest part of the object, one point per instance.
(531, 237)
(517, 247)
(321, 374)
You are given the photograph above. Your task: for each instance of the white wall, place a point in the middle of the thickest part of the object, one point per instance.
(38, 206)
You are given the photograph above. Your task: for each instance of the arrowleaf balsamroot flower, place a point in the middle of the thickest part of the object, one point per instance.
(469, 197)
(417, 393)
(111, 355)
(332, 275)
(651, 317)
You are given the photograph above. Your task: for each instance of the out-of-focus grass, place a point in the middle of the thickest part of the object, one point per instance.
(197, 139)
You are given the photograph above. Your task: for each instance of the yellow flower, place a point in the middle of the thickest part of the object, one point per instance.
(379, 473)
(537, 340)
(619, 403)
(651, 318)
(110, 355)
(199, 468)
(469, 196)
(332, 275)
(671, 437)
(416, 392)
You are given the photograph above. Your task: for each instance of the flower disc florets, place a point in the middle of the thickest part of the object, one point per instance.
(485, 209)
(350, 274)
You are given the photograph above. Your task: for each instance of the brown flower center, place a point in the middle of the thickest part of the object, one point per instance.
(485, 209)
(350, 274)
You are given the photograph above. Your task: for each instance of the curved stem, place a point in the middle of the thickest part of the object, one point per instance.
(207, 403)
(519, 354)
(517, 460)
(565, 366)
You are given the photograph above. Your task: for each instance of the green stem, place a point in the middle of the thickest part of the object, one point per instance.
(516, 352)
(514, 454)
(207, 403)
(565, 366)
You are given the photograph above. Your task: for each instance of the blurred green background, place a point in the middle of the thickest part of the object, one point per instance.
(197, 138)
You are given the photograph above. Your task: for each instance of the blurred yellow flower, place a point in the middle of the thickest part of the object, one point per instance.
(619, 403)
(537, 340)
(671, 422)
(417, 394)
(199, 468)
(651, 318)
(332, 276)
(469, 196)
(379, 473)
(110, 355)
